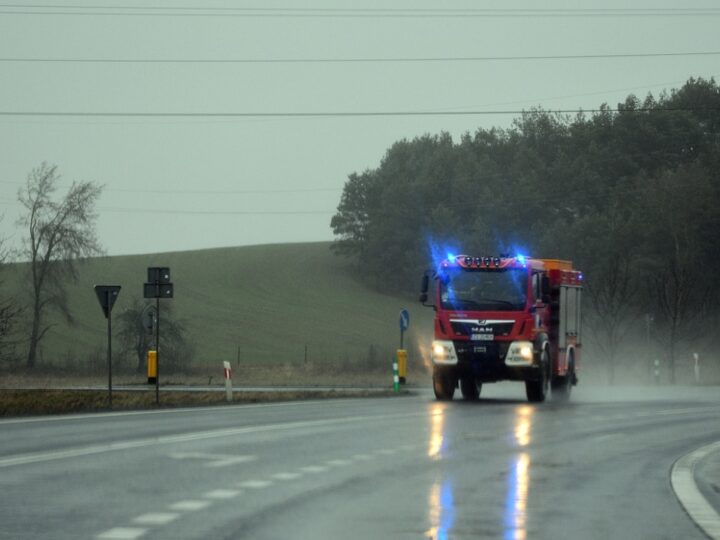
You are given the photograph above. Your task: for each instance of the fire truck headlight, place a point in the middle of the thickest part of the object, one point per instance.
(443, 352)
(520, 353)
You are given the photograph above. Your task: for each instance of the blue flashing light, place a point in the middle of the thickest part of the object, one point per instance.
(451, 258)
(521, 259)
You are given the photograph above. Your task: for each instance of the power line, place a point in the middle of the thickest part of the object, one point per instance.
(338, 114)
(353, 60)
(206, 191)
(140, 10)
(217, 212)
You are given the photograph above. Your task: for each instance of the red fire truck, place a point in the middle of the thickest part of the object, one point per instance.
(505, 318)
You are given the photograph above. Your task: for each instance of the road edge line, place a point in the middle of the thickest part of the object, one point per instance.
(682, 479)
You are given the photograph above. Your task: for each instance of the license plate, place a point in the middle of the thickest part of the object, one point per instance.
(482, 337)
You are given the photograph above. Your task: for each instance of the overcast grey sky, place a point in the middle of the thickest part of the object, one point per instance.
(180, 183)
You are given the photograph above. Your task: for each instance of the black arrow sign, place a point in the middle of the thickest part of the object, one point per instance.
(107, 294)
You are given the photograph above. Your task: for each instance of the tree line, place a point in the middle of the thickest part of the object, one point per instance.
(630, 194)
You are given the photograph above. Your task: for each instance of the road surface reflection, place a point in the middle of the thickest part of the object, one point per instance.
(437, 442)
(441, 503)
(515, 522)
(441, 510)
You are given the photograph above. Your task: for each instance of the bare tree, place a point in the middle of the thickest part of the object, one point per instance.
(58, 234)
(177, 351)
(679, 283)
(9, 312)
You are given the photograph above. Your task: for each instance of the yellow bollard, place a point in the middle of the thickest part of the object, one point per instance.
(152, 367)
(402, 364)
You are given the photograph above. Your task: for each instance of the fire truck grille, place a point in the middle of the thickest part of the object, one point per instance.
(468, 328)
(484, 354)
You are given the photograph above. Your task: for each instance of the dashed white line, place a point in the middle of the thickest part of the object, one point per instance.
(255, 484)
(338, 462)
(286, 476)
(222, 494)
(687, 492)
(156, 518)
(189, 506)
(313, 469)
(213, 460)
(362, 457)
(122, 533)
(386, 451)
(608, 436)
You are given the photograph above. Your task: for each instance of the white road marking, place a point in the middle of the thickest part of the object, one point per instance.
(694, 410)
(687, 492)
(287, 476)
(313, 469)
(386, 451)
(362, 457)
(222, 494)
(24, 459)
(255, 484)
(227, 408)
(189, 506)
(608, 436)
(213, 460)
(156, 518)
(338, 462)
(122, 533)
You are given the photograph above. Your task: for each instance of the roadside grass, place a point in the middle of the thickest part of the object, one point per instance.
(271, 305)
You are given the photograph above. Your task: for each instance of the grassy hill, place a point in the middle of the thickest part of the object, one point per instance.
(268, 301)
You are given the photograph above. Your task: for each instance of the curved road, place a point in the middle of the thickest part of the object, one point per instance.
(598, 467)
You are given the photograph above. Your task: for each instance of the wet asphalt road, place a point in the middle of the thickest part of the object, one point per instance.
(405, 467)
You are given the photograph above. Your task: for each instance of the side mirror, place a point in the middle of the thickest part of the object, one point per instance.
(424, 288)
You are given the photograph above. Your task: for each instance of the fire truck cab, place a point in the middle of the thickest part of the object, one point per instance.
(505, 318)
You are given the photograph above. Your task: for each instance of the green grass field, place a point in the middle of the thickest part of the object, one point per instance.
(268, 302)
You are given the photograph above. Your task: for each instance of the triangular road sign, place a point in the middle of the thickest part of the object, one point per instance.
(107, 294)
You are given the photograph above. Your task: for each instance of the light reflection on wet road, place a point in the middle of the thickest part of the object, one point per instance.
(518, 485)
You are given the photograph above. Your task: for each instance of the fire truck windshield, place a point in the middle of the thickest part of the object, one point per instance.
(495, 290)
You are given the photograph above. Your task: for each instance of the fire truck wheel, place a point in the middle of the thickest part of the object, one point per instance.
(562, 386)
(443, 385)
(537, 390)
(470, 389)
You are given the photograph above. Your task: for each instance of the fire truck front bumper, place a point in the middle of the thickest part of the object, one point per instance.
(488, 361)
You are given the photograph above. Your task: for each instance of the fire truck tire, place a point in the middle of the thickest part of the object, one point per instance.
(443, 385)
(562, 386)
(470, 389)
(537, 390)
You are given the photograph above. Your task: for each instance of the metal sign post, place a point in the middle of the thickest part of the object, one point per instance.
(107, 294)
(158, 286)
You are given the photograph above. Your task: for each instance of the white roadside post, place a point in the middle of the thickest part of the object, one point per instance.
(228, 381)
